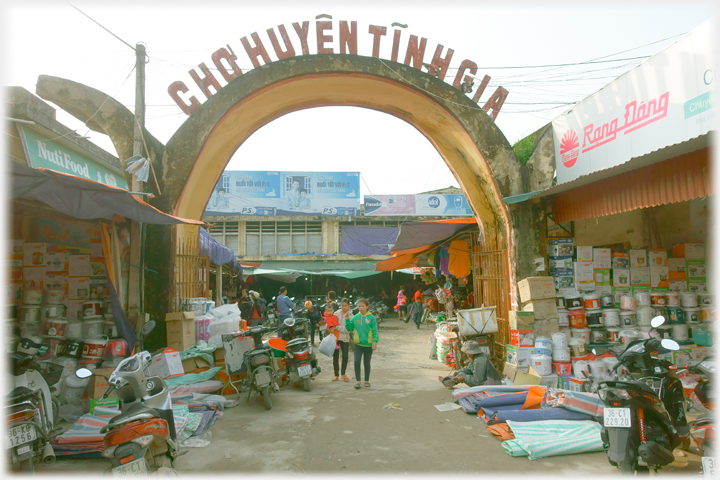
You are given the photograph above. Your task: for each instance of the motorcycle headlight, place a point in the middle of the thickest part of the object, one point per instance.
(143, 441)
(610, 395)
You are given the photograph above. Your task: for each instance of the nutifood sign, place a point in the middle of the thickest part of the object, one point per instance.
(225, 60)
(44, 152)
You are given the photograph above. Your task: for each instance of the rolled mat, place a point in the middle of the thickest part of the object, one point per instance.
(536, 414)
(555, 437)
(488, 412)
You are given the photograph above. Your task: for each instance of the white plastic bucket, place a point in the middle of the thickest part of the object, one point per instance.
(607, 300)
(598, 368)
(688, 299)
(542, 364)
(642, 298)
(644, 315)
(55, 296)
(672, 298)
(543, 342)
(579, 369)
(611, 317)
(629, 335)
(583, 333)
(74, 330)
(74, 389)
(692, 315)
(680, 332)
(629, 303)
(92, 328)
(559, 340)
(29, 314)
(563, 318)
(627, 318)
(561, 355)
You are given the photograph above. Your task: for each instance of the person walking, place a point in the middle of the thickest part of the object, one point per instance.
(331, 298)
(401, 303)
(416, 311)
(365, 337)
(247, 306)
(260, 305)
(343, 340)
(285, 308)
(314, 315)
(258, 309)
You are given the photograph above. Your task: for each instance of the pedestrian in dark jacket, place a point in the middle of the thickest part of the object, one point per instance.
(247, 307)
(416, 312)
(314, 315)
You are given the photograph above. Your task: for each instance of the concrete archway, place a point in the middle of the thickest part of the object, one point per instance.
(473, 147)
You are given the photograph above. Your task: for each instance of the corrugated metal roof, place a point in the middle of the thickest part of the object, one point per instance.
(679, 179)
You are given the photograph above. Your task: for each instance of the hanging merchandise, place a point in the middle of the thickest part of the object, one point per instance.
(459, 261)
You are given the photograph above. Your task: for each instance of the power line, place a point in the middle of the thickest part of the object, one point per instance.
(111, 33)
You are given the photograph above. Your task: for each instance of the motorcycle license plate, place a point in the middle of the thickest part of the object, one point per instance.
(617, 417)
(304, 370)
(136, 468)
(262, 378)
(711, 467)
(19, 435)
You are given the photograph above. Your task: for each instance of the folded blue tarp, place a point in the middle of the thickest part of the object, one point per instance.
(535, 415)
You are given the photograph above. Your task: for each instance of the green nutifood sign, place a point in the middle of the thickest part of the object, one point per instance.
(43, 152)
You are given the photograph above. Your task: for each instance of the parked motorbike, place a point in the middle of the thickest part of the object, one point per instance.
(295, 327)
(258, 363)
(644, 415)
(378, 310)
(143, 437)
(300, 361)
(31, 410)
(702, 428)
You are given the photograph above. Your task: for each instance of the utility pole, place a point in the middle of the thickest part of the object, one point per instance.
(136, 274)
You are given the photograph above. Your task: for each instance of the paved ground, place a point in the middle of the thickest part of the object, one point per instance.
(337, 429)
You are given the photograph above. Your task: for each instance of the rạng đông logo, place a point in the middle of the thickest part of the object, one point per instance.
(569, 148)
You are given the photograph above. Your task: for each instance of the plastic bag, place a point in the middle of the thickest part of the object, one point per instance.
(139, 167)
(199, 441)
(327, 345)
(227, 324)
(224, 310)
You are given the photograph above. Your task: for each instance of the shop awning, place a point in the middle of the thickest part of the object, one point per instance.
(82, 198)
(339, 268)
(418, 239)
(219, 254)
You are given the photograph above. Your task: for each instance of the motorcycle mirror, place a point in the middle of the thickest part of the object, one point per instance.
(148, 327)
(669, 344)
(289, 322)
(83, 373)
(657, 321)
(598, 351)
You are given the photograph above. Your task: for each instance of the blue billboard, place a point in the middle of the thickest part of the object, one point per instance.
(286, 193)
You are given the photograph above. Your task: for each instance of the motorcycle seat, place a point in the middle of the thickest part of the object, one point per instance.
(135, 412)
(296, 341)
(19, 394)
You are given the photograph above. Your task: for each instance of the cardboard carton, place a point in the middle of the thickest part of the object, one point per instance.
(98, 385)
(34, 254)
(522, 338)
(33, 277)
(560, 247)
(621, 277)
(521, 320)
(620, 260)
(659, 277)
(576, 385)
(638, 258)
(518, 356)
(563, 282)
(584, 276)
(560, 262)
(585, 254)
(180, 330)
(602, 258)
(190, 364)
(521, 376)
(534, 288)
(695, 269)
(79, 265)
(640, 276)
(111, 402)
(166, 364)
(564, 382)
(542, 309)
(689, 251)
(676, 265)
(658, 257)
(618, 292)
(78, 288)
(602, 277)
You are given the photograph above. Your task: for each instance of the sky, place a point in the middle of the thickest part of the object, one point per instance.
(554, 39)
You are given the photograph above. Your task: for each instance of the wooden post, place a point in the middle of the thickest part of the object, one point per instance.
(136, 274)
(218, 285)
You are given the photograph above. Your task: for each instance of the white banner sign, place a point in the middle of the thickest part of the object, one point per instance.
(667, 100)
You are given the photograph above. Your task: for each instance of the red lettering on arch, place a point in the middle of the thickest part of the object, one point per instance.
(179, 86)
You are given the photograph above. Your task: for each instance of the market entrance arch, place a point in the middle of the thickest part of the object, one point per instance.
(471, 144)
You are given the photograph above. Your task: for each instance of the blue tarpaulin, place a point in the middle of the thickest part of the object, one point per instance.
(360, 240)
(219, 254)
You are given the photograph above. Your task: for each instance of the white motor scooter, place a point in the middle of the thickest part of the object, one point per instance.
(30, 409)
(143, 436)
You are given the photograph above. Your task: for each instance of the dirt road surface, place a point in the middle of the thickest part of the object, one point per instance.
(335, 428)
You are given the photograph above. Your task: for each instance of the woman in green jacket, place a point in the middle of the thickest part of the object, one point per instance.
(365, 336)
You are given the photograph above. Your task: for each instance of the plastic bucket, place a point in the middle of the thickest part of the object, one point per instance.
(54, 311)
(598, 368)
(92, 327)
(629, 335)
(574, 301)
(579, 369)
(582, 333)
(692, 315)
(542, 364)
(673, 298)
(577, 317)
(561, 355)
(543, 342)
(607, 301)
(563, 317)
(642, 298)
(30, 313)
(598, 335)
(707, 314)
(706, 300)
(94, 347)
(56, 327)
(627, 319)
(680, 332)
(278, 346)
(611, 317)
(613, 334)
(591, 300)
(594, 317)
(55, 296)
(92, 308)
(32, 297)
(559, 340)
(629, 303)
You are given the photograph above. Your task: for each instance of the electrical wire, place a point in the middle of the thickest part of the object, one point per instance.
(111, 33)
